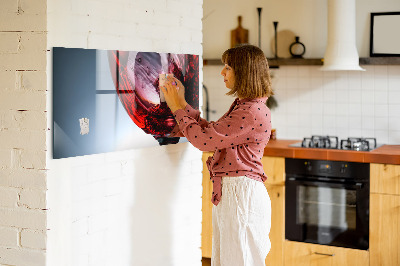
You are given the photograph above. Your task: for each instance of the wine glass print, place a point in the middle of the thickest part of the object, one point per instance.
(118, 92)
(136, 79)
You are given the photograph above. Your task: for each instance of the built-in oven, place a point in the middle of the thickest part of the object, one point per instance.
(327, 202)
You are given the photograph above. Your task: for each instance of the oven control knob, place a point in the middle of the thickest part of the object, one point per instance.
(343, 168)
(308, 166)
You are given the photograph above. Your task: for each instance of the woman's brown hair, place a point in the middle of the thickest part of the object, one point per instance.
(250, 66)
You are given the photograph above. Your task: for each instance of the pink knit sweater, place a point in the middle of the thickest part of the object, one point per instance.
(238, 140)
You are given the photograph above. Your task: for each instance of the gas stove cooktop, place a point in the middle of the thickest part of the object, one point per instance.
(332, 142)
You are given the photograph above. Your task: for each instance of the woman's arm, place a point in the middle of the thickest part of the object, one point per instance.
(174, 93)
(239, 127)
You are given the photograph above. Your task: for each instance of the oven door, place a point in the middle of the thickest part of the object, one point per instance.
(327, 213)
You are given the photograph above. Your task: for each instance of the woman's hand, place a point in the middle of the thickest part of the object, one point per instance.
(174, 93)
(181, 90)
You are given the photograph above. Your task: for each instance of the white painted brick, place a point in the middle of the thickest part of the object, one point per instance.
(98, 222)
(31, 80)
(196, 10)
(154, 32)
(31, 55)
(130, 41)
(110, 28)
(34, 120)
(88, 160)
(8, 197)
(5, 159)
(149, 7)
(94, 38)
(33, 159)
(23, 178)
(168, 19)
(100, 10)
(96, 173)
(16, 256)
(179, 7)
(9, 42)
(191, 22)
(196, 37)
(35, 140)
(33, 7)
(179, 34)
(23, 22)
(79, 176)
(190, 47)
(7, 80)
(9, 237)
(80, 194)
(23, 218)
(79, 228)
(114, 186)
(16, 158)
(33, 199)
(23, 100)
(8, 6)
(33, 239)
(113, 170)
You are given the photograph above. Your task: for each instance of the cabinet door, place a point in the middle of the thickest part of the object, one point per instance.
(384, 229)
(304, 254)
(385, 178)
(274, 168)
(206, 232)
(277, 233)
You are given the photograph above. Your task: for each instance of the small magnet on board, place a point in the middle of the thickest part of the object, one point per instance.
(84, 124)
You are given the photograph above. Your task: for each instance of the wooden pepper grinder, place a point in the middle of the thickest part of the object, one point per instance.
(239, 35)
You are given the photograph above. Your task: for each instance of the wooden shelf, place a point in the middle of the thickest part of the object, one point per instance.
(273, 63)
(380, 61)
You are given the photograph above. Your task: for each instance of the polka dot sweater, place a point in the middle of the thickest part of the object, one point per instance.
(238, 140)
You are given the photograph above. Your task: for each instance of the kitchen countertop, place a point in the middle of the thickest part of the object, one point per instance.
(389, 154)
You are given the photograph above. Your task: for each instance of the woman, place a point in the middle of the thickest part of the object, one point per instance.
(242, 207)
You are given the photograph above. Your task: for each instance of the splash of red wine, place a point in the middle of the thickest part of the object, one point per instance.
(135, 76)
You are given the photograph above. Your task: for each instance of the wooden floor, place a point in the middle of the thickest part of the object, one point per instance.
(206, 261)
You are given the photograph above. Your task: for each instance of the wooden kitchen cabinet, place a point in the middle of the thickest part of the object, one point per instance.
(206, 225)
(274, 168)
(305, 254)
(385, 178)
(384, 236)
(277, 233)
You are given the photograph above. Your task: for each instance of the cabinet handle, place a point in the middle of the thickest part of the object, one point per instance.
(325, 254)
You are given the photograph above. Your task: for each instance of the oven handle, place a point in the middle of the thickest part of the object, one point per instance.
(357, 185)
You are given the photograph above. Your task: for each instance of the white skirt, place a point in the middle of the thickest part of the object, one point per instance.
(241, 223)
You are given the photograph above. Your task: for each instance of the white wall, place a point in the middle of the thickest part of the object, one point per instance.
(304, 18)
(311, 102)
(135, 207)
(23, 132)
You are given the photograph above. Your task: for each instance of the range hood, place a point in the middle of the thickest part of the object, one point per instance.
(341, 51)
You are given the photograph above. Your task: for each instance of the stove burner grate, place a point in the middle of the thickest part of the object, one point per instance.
(332, 142)
(358, 144)
(327, 142)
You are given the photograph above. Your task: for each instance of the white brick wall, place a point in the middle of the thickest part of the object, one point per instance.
(136, 207)
(23, 132)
